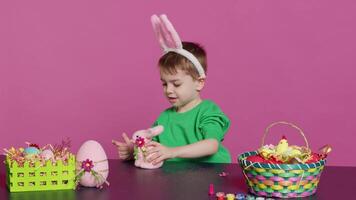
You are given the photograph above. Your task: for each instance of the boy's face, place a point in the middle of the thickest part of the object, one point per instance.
(180, 88)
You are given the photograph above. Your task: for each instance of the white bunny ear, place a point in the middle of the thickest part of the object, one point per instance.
(151, 132)
(156, 130)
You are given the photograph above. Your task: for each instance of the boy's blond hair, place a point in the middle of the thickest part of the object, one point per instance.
(171, 61)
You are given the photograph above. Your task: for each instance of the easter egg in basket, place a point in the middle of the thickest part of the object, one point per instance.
(47, 154)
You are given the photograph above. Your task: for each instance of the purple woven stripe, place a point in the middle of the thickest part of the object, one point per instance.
(261, 193)
(252, 191)
(280, 195)
(294, 179)
(276, 194)
(249, 175)
(292, 194)
(309, 178)
(305, 194)
(313, 191)
(276, 178)
(261, 178)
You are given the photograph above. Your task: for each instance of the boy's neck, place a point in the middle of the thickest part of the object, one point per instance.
(190, 105)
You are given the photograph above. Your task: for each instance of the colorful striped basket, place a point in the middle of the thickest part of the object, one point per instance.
(281, 180)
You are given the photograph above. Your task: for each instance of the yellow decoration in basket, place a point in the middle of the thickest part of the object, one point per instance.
(282, 146)
(285, 153)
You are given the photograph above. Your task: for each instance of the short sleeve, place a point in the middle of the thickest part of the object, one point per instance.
(214, 125)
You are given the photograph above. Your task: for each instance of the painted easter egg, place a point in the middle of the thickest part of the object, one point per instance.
(31, 151)
(92, 164)
(47, 154)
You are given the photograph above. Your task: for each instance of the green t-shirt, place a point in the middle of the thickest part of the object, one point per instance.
(204, 121)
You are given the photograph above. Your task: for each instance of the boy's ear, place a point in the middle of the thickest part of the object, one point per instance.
(200, 84)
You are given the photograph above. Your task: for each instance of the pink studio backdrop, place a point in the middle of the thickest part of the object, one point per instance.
(87, 69)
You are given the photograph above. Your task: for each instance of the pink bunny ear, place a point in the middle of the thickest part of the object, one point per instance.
(170, 34)
(156, 130)
(156, 23)
(170, 41)
(165, 32)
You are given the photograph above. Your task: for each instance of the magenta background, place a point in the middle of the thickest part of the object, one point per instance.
(87, 69)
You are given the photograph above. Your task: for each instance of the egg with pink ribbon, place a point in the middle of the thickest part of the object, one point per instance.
(47, 154)
(92, 165)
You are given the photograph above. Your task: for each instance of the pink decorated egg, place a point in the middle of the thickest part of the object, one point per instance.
(47, 154)
(92, 164)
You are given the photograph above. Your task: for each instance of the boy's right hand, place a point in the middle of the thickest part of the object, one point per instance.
(125, 149)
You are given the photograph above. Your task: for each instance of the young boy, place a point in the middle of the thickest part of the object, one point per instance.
(193, 128)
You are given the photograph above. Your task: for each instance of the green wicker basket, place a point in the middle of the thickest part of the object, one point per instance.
(37, 177)
(281, 180)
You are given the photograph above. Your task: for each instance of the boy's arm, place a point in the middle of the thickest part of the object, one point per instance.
(159, 152)
(199, 149)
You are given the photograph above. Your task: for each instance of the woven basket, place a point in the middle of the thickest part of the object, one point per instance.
(281, 180)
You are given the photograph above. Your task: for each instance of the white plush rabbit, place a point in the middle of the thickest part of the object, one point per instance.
(140, 139)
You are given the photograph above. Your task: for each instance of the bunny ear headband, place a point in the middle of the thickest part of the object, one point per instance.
(170, 41)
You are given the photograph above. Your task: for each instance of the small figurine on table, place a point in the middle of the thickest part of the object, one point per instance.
(140, 139)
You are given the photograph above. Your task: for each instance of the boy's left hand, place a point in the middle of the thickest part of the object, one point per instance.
(157, 152)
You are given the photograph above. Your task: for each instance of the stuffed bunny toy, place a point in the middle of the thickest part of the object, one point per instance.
(140, 139)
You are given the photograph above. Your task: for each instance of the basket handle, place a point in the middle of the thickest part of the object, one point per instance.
(286, 123)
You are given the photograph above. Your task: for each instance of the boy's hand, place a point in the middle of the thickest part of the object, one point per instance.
(125, 149)
(158, 152)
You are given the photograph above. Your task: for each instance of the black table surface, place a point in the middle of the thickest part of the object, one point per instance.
(180, 181)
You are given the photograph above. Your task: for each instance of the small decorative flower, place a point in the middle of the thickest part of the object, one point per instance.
(87, 165)
(140, 141)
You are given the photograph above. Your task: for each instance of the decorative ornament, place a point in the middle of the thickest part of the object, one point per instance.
(92, 165)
